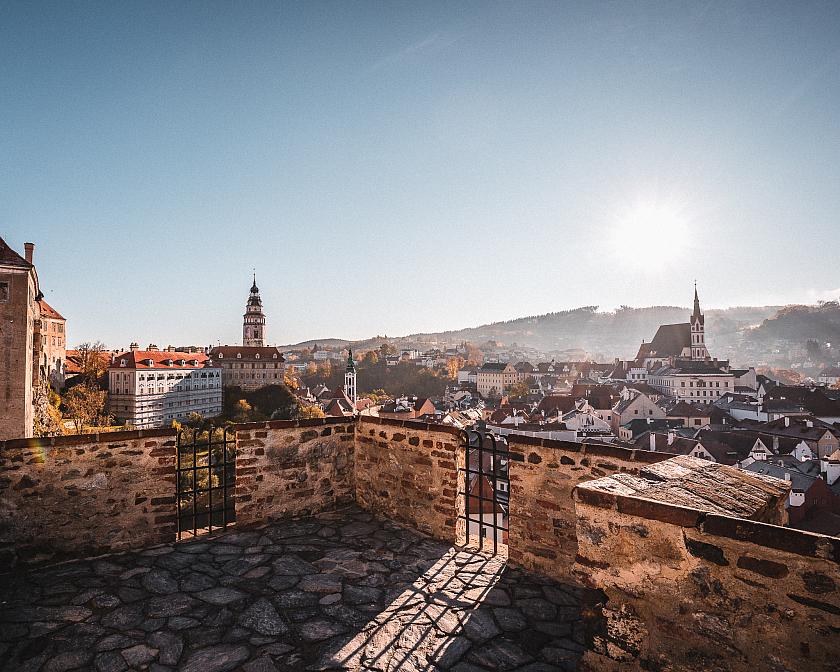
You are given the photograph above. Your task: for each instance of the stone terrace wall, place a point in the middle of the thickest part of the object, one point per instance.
(290, 468)
(692, 591)
(407, 471)
(85, 495)
(542, 528)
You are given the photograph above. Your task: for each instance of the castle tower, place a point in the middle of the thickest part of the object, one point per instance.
(253, 324)
(699, 352)
(350, 379)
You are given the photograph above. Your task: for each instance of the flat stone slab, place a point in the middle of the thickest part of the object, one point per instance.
(338, 591)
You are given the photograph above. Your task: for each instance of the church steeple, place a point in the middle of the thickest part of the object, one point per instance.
(699, 351)
(253, 322)
(350, 378)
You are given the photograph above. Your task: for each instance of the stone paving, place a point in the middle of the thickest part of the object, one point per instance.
(339, 591)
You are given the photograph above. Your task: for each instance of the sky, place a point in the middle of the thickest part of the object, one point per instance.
(401, 167)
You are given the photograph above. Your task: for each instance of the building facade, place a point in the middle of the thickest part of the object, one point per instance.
(249, 367)
(53, 345)
(150, 388)
(32, 342)
(495, 379)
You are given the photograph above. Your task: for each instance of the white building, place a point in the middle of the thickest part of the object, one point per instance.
(150, 388)
(703, 384)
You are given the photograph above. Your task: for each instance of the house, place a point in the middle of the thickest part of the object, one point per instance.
(631, 406)
(339, 404)
(691, 415)
(820, 439)
(829, 376)
(407, 408)
(495, 379)
(249, 367)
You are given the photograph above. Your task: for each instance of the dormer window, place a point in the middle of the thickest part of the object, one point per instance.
(122, 362)
(257, 356)
(181, 362)
(193, 362)
(238, 355)
(275, 355)
(221, 355)
(149, 362)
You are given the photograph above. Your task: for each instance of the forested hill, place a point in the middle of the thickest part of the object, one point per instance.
(744, 334)
(609, 333)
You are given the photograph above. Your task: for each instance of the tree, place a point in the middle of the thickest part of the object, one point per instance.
(242, 411)
(308, 411)
(518, 390)
(387, 349)
(814, 349)
(370, 358)
(453, 365)
(85, 405)
(290, 378)
(93, 361)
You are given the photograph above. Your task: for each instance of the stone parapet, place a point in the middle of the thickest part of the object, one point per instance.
(292, 468)
(687, 588)
(85, 495)
(407, 471)
(542, 536)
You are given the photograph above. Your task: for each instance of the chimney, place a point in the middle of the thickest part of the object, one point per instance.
(787, 421)
(776, 445)
(152, 347)
(671, 436)
(809, 424)
(29, 249)
(653, 442)
(787, 476)
(134, 347)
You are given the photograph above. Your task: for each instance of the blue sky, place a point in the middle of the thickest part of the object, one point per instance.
(401, 166)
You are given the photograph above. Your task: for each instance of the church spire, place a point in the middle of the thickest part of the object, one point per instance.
(696, 302)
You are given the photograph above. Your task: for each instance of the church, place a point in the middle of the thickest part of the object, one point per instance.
(678, 364)
(253, 364)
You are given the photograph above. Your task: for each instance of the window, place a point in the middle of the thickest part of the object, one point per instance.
(4, 292)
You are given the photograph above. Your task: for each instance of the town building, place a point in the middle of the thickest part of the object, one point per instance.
(829, 376)
(32, 342)
(253, 364)
(248, 367)
(150, 388)
(51, 334)
(494, 379)
(253, 321)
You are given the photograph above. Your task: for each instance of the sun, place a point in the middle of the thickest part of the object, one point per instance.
(649, 231)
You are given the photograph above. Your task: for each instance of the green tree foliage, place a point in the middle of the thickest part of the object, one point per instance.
(273, 402)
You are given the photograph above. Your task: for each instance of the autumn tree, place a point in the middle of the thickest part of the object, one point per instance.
(309, 411)
(85, 405)
(387, 349)
(290, 379)
(518, 390)
(453, 365)
(370, 358)
(93, 361)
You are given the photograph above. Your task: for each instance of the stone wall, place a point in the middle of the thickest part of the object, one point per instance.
(288, 468)
(85, 495)
(690, 590)
(407, 471)
(542, 536)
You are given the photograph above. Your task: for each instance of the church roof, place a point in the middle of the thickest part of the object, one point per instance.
(670, 340)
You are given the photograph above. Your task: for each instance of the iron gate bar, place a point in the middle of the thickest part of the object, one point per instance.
(495, 455)
(191, 443)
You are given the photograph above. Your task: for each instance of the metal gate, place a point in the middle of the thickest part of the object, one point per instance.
(205, 478)
(486, 488)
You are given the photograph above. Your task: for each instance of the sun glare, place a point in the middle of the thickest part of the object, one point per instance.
(645, 227)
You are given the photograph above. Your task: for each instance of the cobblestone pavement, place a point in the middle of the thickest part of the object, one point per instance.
(340, 591)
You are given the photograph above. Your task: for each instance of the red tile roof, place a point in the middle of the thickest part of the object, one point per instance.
(138, 359)
(48, 311)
